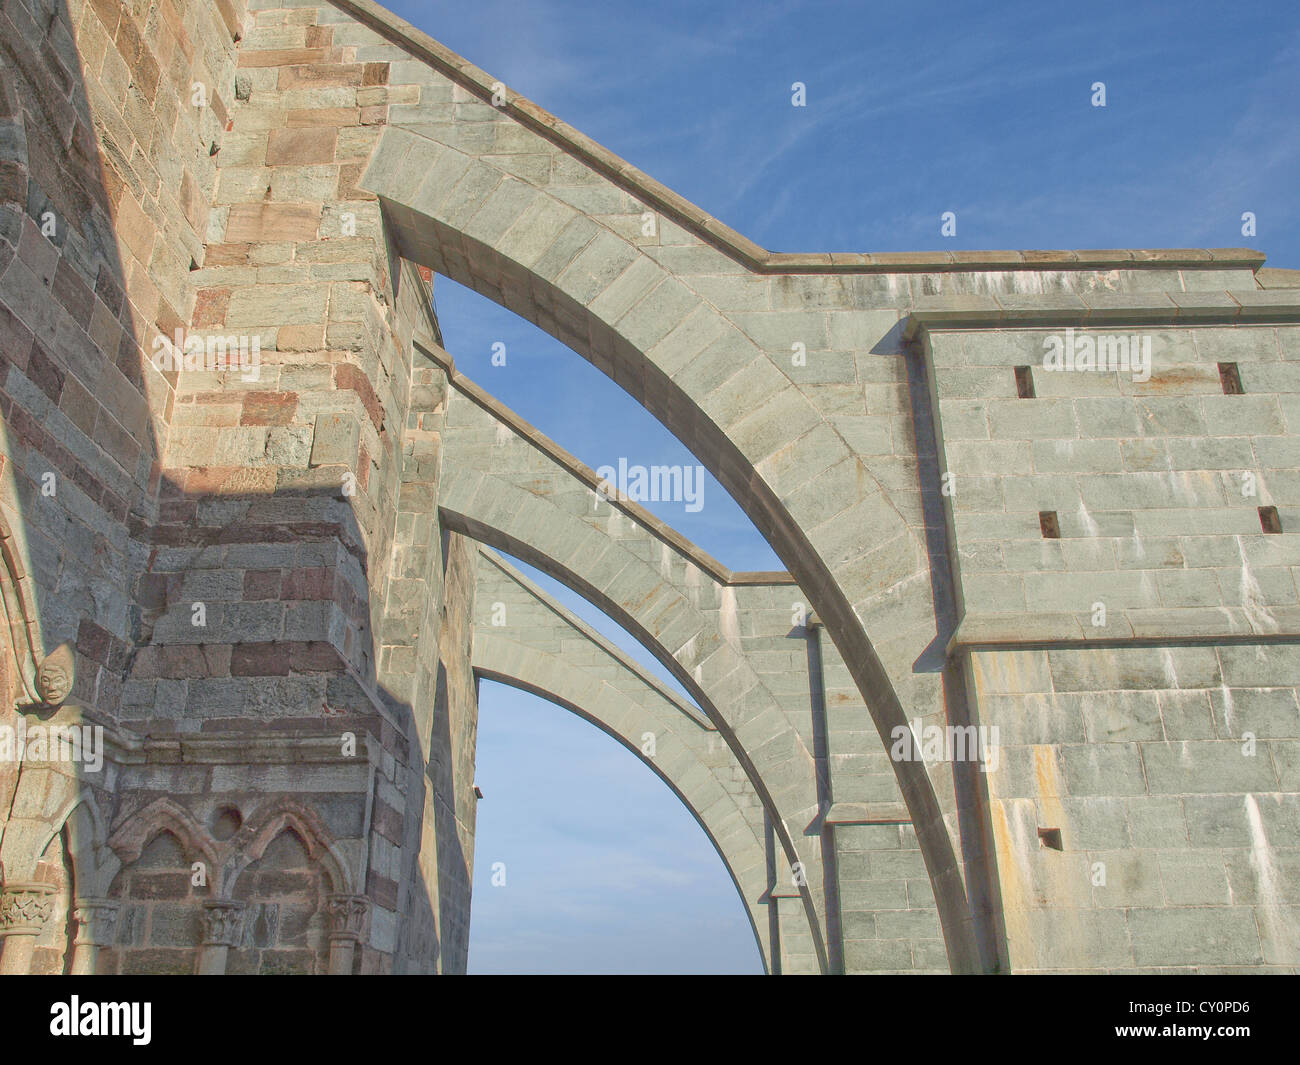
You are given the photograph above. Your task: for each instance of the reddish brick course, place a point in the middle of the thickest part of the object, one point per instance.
(280, 57)
(182, 661)
(210, 306)
(262, 584)
(280, 658)
(269, 408)
(250, 223)
(320, 76)
(348, 376)
(73, 293)
(45, 373)
(314, 582)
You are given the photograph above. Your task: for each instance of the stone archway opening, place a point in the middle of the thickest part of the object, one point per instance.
(585, 862)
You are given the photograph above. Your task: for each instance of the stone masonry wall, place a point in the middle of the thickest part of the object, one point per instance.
(1170, 776)
(103, 205)
(1165, 762)
(243, 491)
(206, 536)
(106, 174)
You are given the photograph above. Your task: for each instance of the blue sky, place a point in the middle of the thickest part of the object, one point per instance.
(605, 871)
(912, 110)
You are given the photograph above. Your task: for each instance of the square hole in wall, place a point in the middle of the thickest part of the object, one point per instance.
(1050, 838)
(1048, 523)
(1230, 378)
(1025, 382)
(1269, 520)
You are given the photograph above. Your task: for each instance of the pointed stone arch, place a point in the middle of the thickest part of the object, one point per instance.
(688, 753)
(260, 831)
(94, 862)
(453, 208)
(130, 839)
(494, 508)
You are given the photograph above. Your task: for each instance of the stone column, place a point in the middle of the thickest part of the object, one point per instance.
(223, 924)
(25, 906)
(347, 921)
(96, 923)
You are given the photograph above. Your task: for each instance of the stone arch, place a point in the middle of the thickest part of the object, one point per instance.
(504, 541)
(250, 843)
(285, 880)
(686, 750)
(164, 815)
(94, 864)
(21, 643)
(40, 798)
(737, 856)
(460, 213)
(159, 909)
(65, 849)
(540, 531)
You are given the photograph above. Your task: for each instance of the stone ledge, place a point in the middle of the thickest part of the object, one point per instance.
(1127, 628)
(868, 813)
(126, 746)
(1277, 277)
(1101, 309)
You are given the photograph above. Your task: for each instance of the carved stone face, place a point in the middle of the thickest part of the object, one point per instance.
(54, 677)
(54, 683)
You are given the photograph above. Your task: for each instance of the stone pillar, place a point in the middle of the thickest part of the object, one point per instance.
(347, 922)
(223, 924)
(96, 923)
(25, 906)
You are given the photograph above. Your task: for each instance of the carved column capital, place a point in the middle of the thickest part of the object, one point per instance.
(223, 922)
(96, 921)
(347, 916)
(25, 907)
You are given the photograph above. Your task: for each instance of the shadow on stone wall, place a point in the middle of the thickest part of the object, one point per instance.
(105, 556)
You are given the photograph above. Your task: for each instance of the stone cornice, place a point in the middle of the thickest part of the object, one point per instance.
(1157, 627)
(1102, 309)
(868, 813)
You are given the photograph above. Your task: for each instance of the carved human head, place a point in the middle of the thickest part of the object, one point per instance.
(54, 678)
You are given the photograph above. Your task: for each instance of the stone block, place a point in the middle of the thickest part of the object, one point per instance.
(296, 147)
(336, 439)
(1188, 936)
